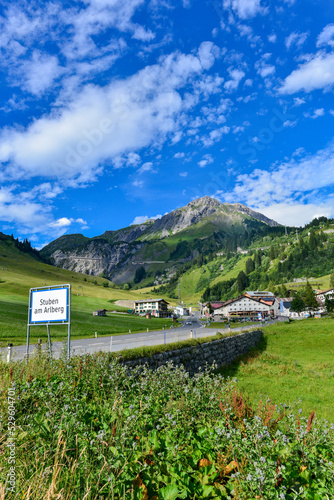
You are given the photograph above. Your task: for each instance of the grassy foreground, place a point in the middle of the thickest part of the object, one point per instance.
(89, 428)
(295, 362)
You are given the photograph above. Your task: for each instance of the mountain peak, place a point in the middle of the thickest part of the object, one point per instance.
(205, 200)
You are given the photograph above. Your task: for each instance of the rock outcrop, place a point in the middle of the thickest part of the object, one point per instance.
(117, 254)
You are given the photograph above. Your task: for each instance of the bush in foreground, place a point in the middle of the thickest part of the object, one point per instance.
(92, 429)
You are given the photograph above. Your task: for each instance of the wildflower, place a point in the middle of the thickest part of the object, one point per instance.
(262, 459)
(249, 477)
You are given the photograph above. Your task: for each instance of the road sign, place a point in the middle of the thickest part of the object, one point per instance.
(50, 305)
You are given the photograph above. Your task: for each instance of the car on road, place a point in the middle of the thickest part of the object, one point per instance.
(188, 322)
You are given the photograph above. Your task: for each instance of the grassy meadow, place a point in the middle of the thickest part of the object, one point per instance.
(295, 361)
(90, 428)
(19, 272)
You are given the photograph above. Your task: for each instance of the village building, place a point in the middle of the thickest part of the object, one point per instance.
(258, 294)
(243, 307)
(285, 304)
(156, 307)
(321, 295)
(274, 304)
(181, 311)
(285, 310)
(100, 312)
(206, 307)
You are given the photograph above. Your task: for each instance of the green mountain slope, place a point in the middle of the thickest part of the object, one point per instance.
(21, 270)
(269, 261)
(202, 227)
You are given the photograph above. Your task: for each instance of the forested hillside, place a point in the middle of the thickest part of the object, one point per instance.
(270, 260)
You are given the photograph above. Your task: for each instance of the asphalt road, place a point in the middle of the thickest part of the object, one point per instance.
(190, 327)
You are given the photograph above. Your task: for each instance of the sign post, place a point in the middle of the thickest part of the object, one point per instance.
(50, 305)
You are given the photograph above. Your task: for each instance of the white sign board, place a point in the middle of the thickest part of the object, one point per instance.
(49, 306)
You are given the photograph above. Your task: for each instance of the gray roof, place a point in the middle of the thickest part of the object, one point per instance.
(150, 300)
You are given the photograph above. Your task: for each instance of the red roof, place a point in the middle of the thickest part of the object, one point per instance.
(215, 305)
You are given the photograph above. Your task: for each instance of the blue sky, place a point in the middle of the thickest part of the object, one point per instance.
(116, 111)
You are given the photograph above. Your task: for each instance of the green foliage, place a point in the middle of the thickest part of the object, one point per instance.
(250, 266)
(139, 275)
(182, 250)
(126, 286)
(217, 291)
(243, 281)
(105, 284)
(331, 280)
(94, 428)
(329, 303)
(297, 304)
(282, 291)
(309, 297)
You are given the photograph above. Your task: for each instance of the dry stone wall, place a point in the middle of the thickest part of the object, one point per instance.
(221, 352)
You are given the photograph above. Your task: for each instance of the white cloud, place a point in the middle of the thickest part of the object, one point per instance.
(183, 174)
(247, 31)
(245, 9)
(317, 73)
(100, 124)
(236, 76)
(297, 39)
(238, 129)
(31, 211)
(147, 167)
(138, 184)
(272, 38)
(214, 136)
(263, 68)
(326, 37)
(295, 214)
(298, 101)
(140, 219)
(287, 183)
(206, 160)
(140, 33)
(289, 123)
(63, 222)
(316, 113)
(207, 54)
(179, 155)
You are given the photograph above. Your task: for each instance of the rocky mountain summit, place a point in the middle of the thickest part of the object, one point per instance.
(117, 254)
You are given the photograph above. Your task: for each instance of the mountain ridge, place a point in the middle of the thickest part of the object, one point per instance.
(172, 239)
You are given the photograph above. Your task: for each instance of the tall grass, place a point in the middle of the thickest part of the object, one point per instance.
(90, 428)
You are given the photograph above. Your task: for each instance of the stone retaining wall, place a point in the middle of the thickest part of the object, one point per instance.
(221, 352)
